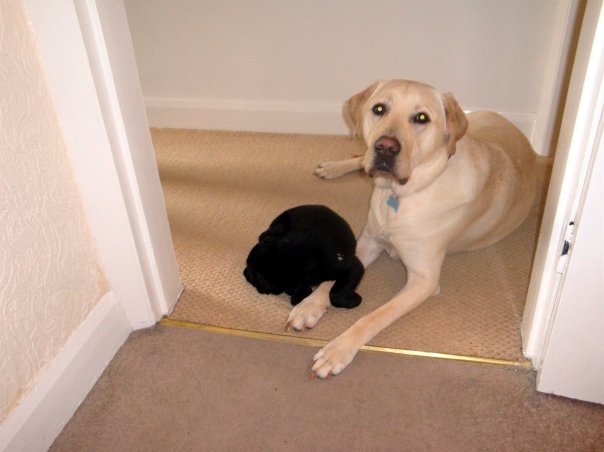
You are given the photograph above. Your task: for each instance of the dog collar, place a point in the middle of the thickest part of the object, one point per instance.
(393, 202)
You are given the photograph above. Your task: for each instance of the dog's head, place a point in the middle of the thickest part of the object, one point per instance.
(264, 269)
(405, 125)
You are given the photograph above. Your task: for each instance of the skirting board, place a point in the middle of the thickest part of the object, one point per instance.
(268, 116)
(246, 115)
(35, 423)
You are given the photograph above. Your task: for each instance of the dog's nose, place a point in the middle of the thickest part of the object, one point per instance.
(387, 146)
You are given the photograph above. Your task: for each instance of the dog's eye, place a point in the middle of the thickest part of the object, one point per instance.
(379, 109)
(421, 118)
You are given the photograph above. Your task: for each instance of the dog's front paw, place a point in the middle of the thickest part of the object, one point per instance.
(305, 315)
(334, 357)
(329, 170)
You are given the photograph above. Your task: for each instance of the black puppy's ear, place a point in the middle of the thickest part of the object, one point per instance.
(274, 232)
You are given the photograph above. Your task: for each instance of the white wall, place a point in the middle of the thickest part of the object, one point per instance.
(50, 277)
(287, 66)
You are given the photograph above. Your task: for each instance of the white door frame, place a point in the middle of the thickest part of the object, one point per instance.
(86, 50)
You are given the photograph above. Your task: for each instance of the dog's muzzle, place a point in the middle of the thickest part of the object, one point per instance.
(385, 151)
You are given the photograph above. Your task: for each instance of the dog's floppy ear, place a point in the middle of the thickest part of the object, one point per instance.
(457, 123)
(353, 110)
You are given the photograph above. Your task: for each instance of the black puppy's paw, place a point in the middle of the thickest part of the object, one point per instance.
(346, 300)
(299, 294)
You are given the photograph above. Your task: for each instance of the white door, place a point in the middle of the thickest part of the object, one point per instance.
(563, 324)
(573, 362)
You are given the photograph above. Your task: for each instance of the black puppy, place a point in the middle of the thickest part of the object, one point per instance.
(303, 247)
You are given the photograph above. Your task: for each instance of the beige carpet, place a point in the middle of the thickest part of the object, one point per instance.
(222, 189)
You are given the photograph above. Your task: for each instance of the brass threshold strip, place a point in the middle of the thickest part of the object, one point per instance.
(166, 321)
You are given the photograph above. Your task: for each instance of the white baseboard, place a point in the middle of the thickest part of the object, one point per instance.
(35, 423)
(247, 115)
(268, 116)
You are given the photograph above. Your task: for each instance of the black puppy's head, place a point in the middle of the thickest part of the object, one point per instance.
(264, 268)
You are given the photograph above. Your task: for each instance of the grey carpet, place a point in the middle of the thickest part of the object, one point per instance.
(175, 389)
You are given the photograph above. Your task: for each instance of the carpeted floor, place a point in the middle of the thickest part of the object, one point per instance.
(222, 189)
(175, 389)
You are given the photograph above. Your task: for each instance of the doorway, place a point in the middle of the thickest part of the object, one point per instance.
(181, 110)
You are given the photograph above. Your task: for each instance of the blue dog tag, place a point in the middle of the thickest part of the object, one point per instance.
(393, 202)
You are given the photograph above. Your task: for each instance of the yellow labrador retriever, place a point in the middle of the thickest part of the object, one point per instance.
(444, 182)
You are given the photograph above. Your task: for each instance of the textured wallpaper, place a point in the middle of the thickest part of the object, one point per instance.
(50, 278)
